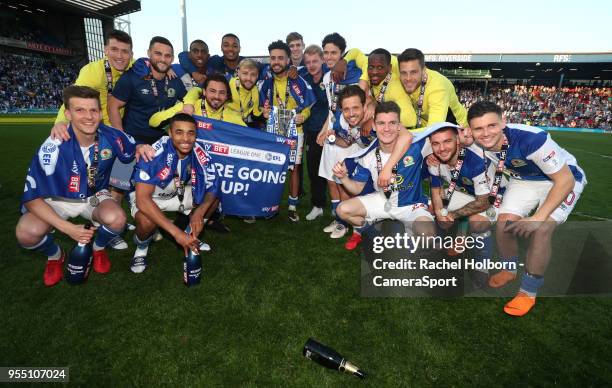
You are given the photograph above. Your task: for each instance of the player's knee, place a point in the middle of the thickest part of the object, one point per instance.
(29, 234)
(113, 217)
(544, 231)
(479, 224)
(343, 210)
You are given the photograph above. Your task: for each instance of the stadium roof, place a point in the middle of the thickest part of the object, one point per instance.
(89, 8)
(582, 66)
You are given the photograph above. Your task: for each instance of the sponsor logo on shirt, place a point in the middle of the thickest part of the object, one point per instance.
(169, 159)
(74, 183)
(201, 155)
(120, 145)
(144, 91)
(75, 168)
(164, 173)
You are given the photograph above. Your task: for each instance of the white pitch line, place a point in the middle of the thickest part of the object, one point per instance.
(593, 217)
(589, 152)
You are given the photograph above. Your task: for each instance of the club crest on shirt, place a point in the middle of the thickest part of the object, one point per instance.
(171, 93)
(408, 161)
(106, 154)
(518, 162)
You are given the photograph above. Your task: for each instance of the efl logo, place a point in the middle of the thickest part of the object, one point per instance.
(202, 158)
(204, 125)
(75, 182)
(164, 173)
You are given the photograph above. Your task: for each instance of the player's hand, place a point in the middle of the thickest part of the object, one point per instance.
(60, 131)
(145, 152)
(292, 73)
(266, 111)
(523, 227)
(196, 222)
(171, 74)
(432, 161)
(198, 77)
(385, 177)
(340, 170)
(79, 234)
(189, 109)
(299, 119)
(369, 111)
(465, 136)
(445, 222)
(187, 241)
(339, 71)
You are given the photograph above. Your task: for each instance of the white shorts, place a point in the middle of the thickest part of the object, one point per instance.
(331, 155)
(166, 205)
(374, 204)
(460, 199)
(299, 150)
(71, 208)
(522, 196)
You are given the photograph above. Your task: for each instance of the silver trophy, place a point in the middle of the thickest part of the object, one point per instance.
(282, 122)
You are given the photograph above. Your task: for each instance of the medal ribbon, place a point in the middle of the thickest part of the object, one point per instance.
(383, 89)
(454, 177)
(109, 76)
(420, 100)
(387, 190)
(495, 198)
(92, 170)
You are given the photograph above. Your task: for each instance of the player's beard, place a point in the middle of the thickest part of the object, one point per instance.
(281, 71)
(156, 67)
(216, 105)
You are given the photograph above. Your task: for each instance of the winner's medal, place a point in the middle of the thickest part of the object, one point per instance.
(181, 208)
(331, 139)
(94, 201)
(444, 212)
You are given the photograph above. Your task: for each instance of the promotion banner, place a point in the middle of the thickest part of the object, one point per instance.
(251, 164)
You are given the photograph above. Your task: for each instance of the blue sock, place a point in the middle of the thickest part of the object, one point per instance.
(47, 246)
(530, 283)
(104, 235)
(486, 251)
(334, 204)
(293, 202)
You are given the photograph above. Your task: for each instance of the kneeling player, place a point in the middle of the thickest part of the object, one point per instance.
(403, 200)
(70, 178)
(464, 170)
(179, 178)
(543, 176)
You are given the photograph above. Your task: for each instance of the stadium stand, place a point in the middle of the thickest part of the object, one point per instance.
(32, 82)
(571, 107)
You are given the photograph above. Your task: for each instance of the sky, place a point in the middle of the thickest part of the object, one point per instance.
(433, 26)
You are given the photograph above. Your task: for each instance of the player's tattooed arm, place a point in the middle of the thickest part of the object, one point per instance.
(480, 204)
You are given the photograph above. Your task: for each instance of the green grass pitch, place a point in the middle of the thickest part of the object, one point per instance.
(266, 288)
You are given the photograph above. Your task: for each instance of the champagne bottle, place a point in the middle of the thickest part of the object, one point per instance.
(79, 262)
(192, 269)
(329, 358)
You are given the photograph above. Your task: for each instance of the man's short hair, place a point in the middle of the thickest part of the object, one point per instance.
(481, 108)
(230, 35)
(120, 36)
(314, 49)
(160, 39)
(387, 107)
(79, 92)
(294, 36)
(182, 117)
(336, 39)
(384, 53)
(410, 55)
(279, 45)
(351, 91)
(198, 41)
(218, 77)
(248, 63)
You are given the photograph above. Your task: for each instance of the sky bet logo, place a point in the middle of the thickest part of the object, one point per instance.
(203, 125)
(216, 148)
(75, 182)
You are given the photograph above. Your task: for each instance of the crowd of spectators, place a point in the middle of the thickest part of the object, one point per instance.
(573, 107)
(32, 82)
